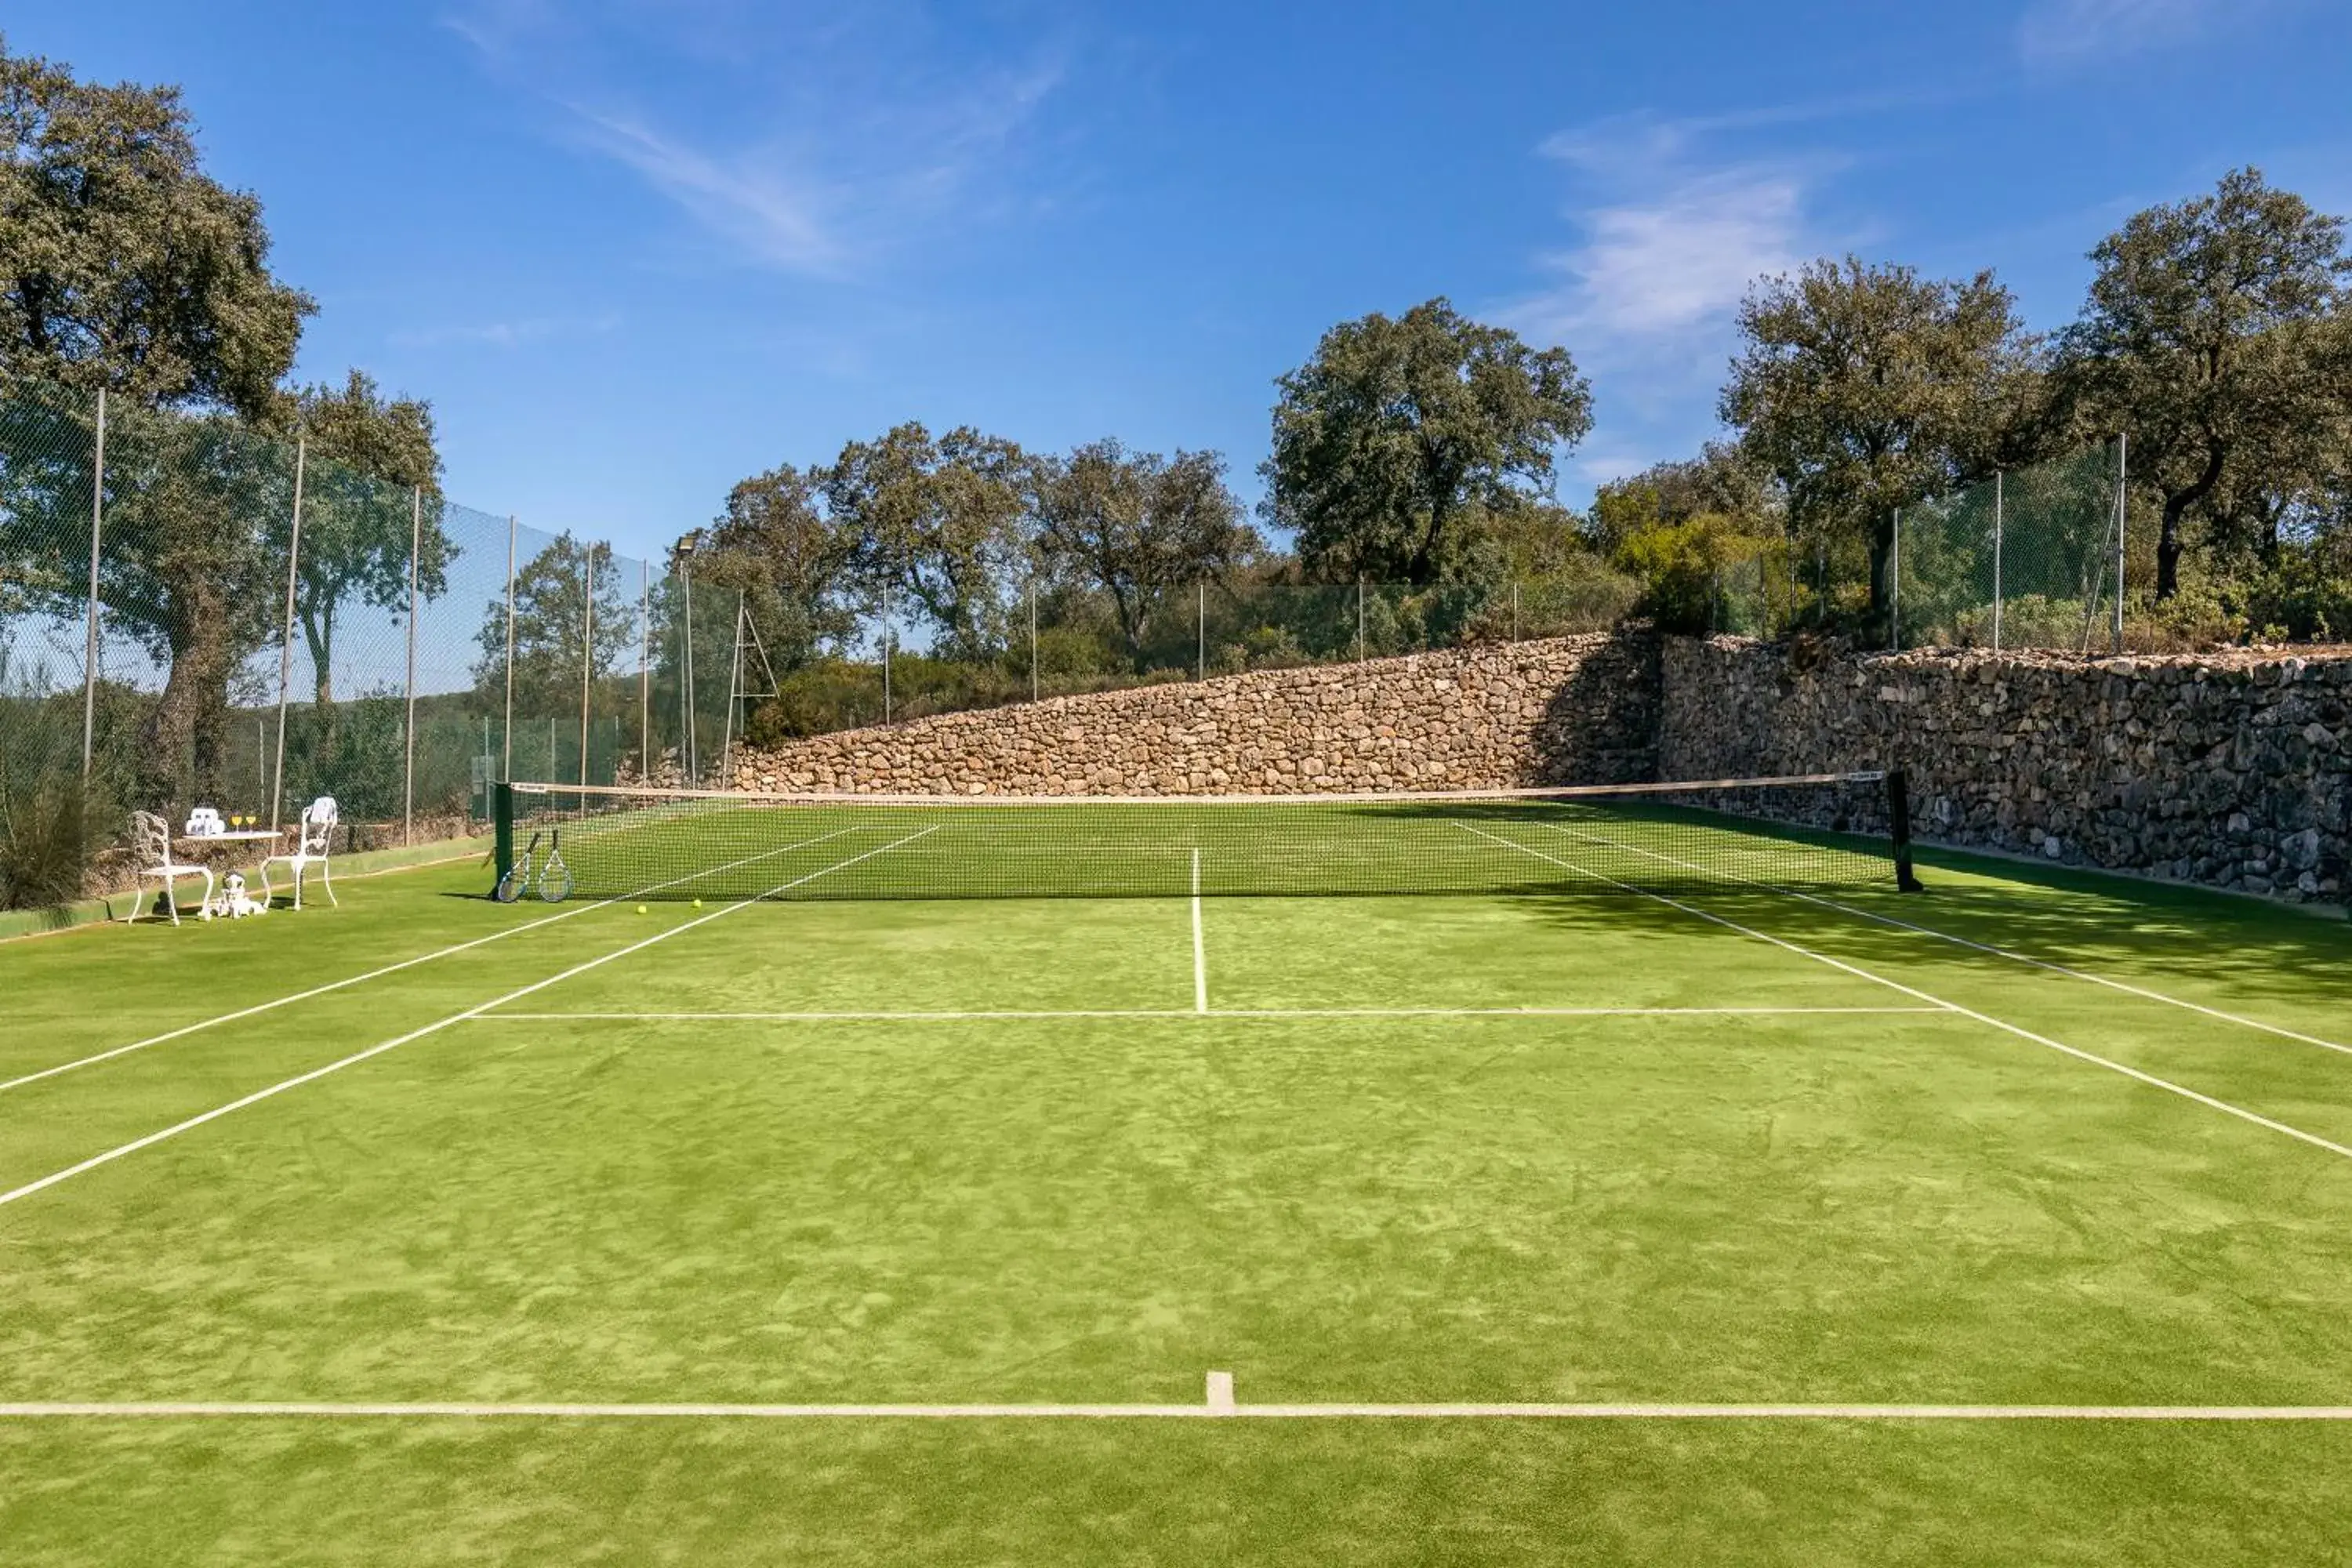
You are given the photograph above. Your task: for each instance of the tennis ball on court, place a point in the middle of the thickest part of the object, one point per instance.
(641, 909)
(698, 903)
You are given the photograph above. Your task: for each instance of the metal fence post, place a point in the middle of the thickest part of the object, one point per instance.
(645, 674)
(587, 648)
(90, 652)
(506, 723)
(1201, 633)
(408, 729)
(1997, 506)
(686, 586)
(1895, 586)
(286, 642)
(1359, 619)
(1515, 609)
(2123, 516)
(886, 654)
(1033, 637)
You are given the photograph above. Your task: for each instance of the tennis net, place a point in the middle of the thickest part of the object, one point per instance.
(1818, 831)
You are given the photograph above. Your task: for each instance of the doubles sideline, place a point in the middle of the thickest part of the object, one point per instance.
(193, 1122)
(500, 934)
(1993, 949)
(2241, 1112)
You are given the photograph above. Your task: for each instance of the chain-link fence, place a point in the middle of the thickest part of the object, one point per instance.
(2032, 558)
(192, 614)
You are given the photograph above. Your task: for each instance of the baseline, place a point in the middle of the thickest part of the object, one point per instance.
(348, 981)
(2241, 1112)
(193, 1122)
(1211, 1409)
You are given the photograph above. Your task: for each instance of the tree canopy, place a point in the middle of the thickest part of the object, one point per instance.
(1861, 389)
(123, 265)
(2212, 337)
(1399, 436)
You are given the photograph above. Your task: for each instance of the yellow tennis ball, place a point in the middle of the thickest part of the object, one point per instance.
(698, 903)
(641, 909)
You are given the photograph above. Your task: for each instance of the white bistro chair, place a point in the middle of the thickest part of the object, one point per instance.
(151, 843)
(314, 835)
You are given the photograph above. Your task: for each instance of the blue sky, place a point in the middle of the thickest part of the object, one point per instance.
(633, 251)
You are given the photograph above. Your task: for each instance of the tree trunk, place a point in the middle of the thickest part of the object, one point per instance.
(181, 743)
(2168, 548)
(1882, 572)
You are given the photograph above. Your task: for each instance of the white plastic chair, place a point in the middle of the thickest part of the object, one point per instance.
(151, 843)
(314, 837)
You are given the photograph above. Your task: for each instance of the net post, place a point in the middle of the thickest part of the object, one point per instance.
(502, 828)
(1899, 818)
(286, 641)
(90, 651)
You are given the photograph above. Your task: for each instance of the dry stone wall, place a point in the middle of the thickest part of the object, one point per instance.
(2226, 769)
(1563, 710)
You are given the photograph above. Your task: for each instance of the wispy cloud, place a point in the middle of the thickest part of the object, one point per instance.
(805, 144)
(505, 334)
(2057, 33)
(1673, 221)
(1671, 238)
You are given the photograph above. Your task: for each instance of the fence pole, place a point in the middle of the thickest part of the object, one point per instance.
(90, 650)
(1033, 637)
(408, 737)
(734, 692)
(587, 648)
(1515, 609)
(645, 674)
(2123, 515)
(1997, 501)
(506, 722)
(693, 761)
(886, 654)
(1200, 634)
(1895, 586)
(286, 641)
(1359, 619)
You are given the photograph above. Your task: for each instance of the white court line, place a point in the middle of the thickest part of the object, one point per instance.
(1200, 947)
(969, 1015)
(1209, 1409)
(2170, 1086)
(392, 968)
(29, 1188)
(1997, 950)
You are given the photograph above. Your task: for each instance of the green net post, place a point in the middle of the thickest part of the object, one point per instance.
(502, 828)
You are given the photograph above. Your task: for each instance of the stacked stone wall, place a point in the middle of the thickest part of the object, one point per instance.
(2227, 769)
(1563, 710)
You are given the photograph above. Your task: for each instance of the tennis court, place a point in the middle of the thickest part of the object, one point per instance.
(1571, 1211)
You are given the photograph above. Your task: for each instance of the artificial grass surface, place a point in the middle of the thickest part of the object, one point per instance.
(1826, 1207)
